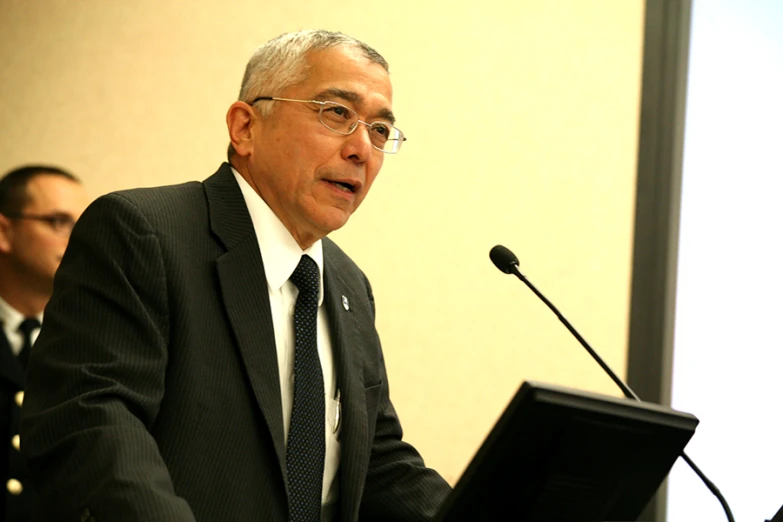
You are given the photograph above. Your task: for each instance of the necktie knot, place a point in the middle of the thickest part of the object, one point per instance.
(28, 326)
(306, 276)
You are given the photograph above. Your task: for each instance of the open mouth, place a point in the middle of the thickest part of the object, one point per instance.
(344, 186)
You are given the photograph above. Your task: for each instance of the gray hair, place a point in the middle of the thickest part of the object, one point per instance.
(280, 63)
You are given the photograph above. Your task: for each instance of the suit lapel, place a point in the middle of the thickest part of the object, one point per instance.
(354, 449)
(245, 295)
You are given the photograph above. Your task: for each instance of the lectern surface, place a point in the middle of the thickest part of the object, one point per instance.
(563, 455)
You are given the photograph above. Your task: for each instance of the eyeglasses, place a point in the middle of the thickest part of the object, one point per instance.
(61, 223)
(342, 120)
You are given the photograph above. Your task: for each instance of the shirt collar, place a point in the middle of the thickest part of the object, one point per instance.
(11, 318)
(279, 250)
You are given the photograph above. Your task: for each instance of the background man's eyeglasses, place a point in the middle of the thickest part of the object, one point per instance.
(342, 120)
(61, 223)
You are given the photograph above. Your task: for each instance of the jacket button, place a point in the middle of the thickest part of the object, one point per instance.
(19, 398)
(15, 442)
(14, 486)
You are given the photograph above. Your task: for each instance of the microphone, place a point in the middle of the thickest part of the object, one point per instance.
(508, 263)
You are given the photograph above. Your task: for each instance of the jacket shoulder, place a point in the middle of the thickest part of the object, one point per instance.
(335, 256)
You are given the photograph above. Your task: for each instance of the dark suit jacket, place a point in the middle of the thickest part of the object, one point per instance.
(16, 508)
(153, 392)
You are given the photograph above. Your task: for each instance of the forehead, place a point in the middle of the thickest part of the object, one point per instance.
(51, 192)
(347, 69)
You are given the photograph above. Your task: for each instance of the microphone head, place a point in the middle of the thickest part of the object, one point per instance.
(504, 259)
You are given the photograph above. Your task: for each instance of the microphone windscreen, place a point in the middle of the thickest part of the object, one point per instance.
(503, 258)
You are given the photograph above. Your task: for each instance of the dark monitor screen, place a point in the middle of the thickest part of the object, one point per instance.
(562, 455)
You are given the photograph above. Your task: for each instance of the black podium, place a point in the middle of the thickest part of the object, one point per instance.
(778, 516)
(562, 455)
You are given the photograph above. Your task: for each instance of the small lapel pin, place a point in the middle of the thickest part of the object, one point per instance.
(345, 303)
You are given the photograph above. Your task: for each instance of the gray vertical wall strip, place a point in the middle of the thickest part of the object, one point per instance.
(659, 176)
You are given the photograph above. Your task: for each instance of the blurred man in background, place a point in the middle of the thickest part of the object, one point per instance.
(38, 208)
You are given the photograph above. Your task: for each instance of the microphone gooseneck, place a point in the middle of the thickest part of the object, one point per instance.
(508, 263)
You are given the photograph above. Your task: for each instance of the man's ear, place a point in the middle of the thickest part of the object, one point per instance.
(239, 119)
(5, 234)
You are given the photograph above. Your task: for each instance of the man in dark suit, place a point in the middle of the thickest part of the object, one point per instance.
(208, 353)
(38, 207)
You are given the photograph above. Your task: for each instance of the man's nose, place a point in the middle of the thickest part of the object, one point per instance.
(358, 145)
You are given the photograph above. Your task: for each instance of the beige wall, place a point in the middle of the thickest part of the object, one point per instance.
(522, 119)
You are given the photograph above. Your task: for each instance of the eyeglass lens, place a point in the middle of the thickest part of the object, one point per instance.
(344, 120)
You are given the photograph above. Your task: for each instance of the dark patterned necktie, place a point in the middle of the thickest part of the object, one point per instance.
(306, 445)
(26, 328)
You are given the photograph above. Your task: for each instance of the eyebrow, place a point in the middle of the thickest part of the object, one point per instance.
(354, 98)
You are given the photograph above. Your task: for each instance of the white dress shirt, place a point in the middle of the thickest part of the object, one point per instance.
(281, 254)
(11, 319)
